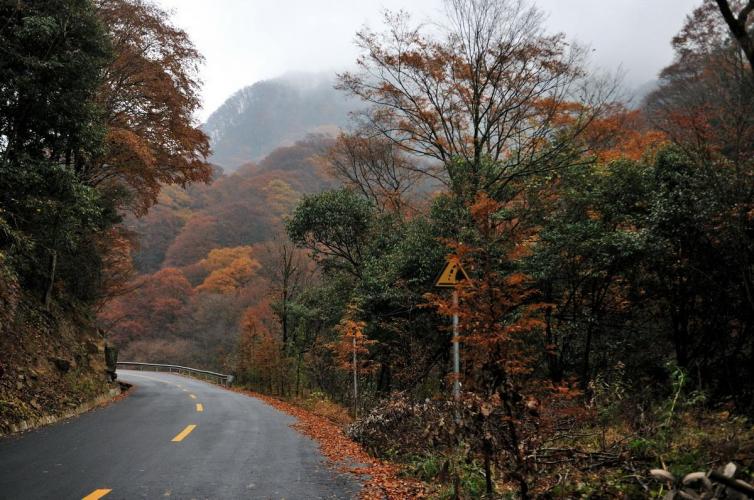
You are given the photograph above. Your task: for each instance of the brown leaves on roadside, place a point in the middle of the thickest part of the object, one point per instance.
(383, 479)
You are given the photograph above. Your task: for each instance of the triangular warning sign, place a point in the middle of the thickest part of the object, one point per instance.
(452, 274)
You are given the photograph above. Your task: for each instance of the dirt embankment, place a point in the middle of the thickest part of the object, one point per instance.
(52, 366)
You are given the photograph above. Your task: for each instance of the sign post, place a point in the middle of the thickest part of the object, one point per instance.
(451, 276)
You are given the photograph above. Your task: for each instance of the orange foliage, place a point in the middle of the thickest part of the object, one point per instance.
(281, 198)
(116, 246)
(495, 311)
(352, 339)
(196, 240)
(489, 84)
(149, 94)
(216, 259)
(231, 278)
(260, 347)
(500, 329)
(622, 134)
(152, 310)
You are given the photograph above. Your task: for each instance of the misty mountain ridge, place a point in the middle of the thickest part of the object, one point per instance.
(276, 112)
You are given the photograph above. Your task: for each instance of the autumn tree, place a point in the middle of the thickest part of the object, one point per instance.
(195, 240)
(620, 133)
(259, 360)
(499, 322)
(492, 84)
(118, 270)
(230, 278)
(704, 100)
(288, 270)
(149, 93)
(705, 104)
(154, 310)
(216, 259)
(352, 349)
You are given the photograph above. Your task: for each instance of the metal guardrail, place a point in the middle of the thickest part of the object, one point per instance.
(219, 378)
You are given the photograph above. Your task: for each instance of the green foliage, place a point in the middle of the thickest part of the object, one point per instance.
(334, 226)
(54, 53)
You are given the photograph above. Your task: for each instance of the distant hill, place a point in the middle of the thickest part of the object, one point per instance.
(239, 208)
(272, 113)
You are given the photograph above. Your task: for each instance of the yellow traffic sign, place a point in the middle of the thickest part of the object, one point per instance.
(452, 274)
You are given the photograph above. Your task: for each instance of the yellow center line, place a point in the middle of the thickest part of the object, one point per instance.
(199, 407)
(94, 495)
(185, 432)
(192, 396)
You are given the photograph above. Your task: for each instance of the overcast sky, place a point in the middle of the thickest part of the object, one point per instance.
(245, 41)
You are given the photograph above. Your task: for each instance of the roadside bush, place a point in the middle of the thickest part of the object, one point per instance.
(399, 426)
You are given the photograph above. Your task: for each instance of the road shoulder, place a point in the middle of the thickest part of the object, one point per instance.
(381, 479)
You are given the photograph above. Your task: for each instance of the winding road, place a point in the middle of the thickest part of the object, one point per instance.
(172, 437)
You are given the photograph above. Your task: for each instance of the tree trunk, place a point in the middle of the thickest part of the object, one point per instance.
(680, 336)
(355, 380)
(488, 469)
(298, 376)
(553, 360)
(738, 28)
(587, 353)
(51, 284)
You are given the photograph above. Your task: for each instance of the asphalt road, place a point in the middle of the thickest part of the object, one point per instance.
(144, 446)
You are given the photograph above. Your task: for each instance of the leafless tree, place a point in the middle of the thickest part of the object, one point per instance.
(374, 166)
(288, 277)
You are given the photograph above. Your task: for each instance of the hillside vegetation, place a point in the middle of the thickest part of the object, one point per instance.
(207, 254)
(604, 319)
(95, 118)
(605, 324)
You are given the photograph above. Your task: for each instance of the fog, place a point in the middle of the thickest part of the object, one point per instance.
(244, 41)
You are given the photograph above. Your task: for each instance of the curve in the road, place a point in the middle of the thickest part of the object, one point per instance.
(161, 442)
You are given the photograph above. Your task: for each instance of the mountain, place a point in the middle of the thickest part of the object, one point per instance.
(270, 113)
(244, 207)
(193, 232)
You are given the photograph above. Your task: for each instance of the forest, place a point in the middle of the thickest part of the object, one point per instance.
(606, 322)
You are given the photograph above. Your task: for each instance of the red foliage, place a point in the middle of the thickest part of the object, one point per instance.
(152, 310)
